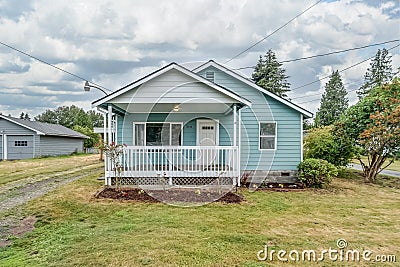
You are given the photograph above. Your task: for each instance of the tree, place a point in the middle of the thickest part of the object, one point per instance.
(378, 73)
(321, 143)
(26, 117)
(70, 116)
(94, 138)
(22, 115)
(96, 118)
(374, 126)
(270, 75)
(334, 101)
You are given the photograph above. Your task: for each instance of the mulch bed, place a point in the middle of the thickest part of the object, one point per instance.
(170, 195)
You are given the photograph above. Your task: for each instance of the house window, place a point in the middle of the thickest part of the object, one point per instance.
(158, 134)
(267, 135)
(210, 76)
(20, 143)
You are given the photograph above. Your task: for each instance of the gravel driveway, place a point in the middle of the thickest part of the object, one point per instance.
(15, 194)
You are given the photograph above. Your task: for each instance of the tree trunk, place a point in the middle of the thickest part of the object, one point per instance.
(371, 171)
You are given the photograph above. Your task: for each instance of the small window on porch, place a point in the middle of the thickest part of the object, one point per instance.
(267, 136)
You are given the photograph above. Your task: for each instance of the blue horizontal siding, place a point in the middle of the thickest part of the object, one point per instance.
(264, 109)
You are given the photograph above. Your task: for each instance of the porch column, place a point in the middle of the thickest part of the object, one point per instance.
(239, 145)
(109, 124)
(104, 128)
(234, 124)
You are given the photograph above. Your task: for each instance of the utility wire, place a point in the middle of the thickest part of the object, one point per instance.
(326, 54)
(281, 27)
(51, 65)
(320, 79)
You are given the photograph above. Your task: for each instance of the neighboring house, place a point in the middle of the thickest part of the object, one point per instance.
(22, 139)
(192, 126)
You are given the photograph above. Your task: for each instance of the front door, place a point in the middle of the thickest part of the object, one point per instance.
(207, 137)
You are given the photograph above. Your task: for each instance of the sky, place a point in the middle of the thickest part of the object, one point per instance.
(113, 43)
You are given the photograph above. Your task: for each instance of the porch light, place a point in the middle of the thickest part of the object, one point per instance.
(176, 108)
(87, 87)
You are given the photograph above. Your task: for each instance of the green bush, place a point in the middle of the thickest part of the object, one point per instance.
(316, 172)
(325, 143)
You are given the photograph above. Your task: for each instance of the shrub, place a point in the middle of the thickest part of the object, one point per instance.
(316, 172)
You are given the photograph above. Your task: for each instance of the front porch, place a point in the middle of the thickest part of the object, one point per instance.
(186, 166)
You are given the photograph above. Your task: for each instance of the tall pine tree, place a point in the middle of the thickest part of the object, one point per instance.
(334, 101)
(378, 73)
(270, 75)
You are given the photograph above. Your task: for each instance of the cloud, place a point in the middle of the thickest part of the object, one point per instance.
(114, 43)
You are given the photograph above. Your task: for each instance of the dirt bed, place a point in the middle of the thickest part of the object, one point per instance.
(170, 195)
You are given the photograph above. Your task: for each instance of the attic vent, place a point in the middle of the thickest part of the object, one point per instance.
(210, 76)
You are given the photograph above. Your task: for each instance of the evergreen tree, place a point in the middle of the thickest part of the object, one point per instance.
(270, 75)
(334, 101)
(22, 115)
(378, 73)
(26, 117)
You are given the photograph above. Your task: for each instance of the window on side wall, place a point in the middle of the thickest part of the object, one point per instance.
(267, 135)
(158, 134)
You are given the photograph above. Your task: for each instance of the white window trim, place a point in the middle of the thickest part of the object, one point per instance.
(163, 122)
(276, 136)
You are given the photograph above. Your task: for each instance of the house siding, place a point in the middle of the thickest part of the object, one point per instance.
(56, 145)
(264, 109)
(1, 147)
(171, 87)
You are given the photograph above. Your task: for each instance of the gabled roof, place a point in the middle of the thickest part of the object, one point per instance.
(255, 86)
(159, 72)
(42, 128)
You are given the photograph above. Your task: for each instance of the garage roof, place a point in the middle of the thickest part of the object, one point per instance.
(43, 128)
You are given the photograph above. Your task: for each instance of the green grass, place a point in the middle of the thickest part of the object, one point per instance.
(22, 169)
(75, 229)
(395, 166)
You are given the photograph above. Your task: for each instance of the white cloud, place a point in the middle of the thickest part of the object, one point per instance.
(114, 43)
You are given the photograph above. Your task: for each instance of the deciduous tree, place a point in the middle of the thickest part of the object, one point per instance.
(374, 126)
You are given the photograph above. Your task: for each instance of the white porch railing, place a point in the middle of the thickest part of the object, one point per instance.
(177, 161)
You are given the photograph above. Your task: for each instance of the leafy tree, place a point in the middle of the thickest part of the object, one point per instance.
(374, 126)
(270, 75)
(70, 116)
(94, 138)
(334, 101)
(321, 143)
(96, 118)
(378, 73)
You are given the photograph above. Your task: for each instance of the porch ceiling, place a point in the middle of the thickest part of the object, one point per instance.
(175, 107)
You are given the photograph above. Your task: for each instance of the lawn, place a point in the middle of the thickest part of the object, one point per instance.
(76, 229)
(42, 167)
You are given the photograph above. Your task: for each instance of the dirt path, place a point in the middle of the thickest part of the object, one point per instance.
(14, 194)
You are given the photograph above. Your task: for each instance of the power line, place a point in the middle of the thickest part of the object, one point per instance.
(326, 54)
(281, 27)
(320, 79)
(51, 65)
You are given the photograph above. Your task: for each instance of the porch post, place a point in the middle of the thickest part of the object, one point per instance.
(109, 124)
(239, 145)
(104, 128)
(234, 124)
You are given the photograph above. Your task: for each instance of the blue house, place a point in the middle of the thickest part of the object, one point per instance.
(190, 127)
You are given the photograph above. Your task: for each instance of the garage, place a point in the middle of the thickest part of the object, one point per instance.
(19, 147)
